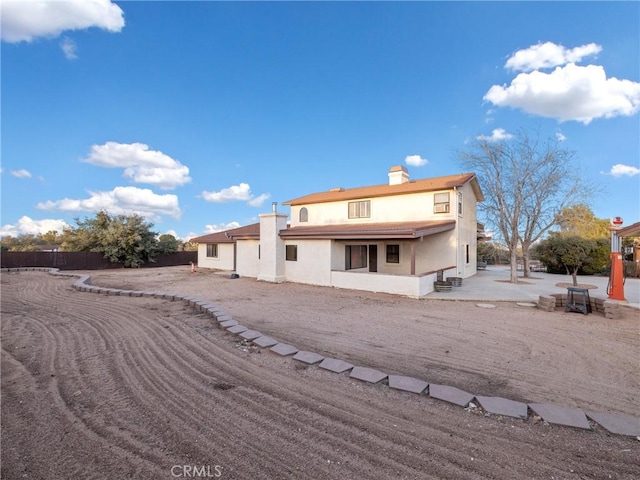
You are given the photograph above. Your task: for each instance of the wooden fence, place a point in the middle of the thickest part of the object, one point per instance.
(86, 260)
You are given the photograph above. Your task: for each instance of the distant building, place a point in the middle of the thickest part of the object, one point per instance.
(390, 238)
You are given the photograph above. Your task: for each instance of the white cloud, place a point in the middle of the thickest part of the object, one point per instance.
(22, 173)
(27, 225)
(25, 20)
(549, 55)
(415, 161)
(120, 200)
(569, 93)
(218, 227)
(140, 164)
(236, 193)
(259, 200)
(560, 137)
(619, 170)
(497, 135)
(69, 48)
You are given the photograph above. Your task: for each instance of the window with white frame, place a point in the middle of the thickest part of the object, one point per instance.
(441, 202)
(361, 209)
(212, 250)
(304, 215)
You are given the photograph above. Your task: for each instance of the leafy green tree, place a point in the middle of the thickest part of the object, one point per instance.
(25, 242)
(168, 243)
(570, 253)
(578, 220)
(125, 239)
(50, 238)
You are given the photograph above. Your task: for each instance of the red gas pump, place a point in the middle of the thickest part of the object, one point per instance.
(616, 275)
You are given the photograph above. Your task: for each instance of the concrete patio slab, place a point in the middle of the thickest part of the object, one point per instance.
(335, 365)
(265, 341)
(503, 406)
(450, 394)
(569, 417)
(617, 423)
(223, 318)
(367, 374)
(284, 349)
(308, 357)
(237, 329)
(408, 384)
(250, 334)
(228, 323)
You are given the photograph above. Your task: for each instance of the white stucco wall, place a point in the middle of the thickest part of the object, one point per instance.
(467, 233)
(224, 260)
(313, 265)
(272, 252)
(247, 263)
(410, 286)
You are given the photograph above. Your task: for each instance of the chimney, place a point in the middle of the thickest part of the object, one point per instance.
(398, 175)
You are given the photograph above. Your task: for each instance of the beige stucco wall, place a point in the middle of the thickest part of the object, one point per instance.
(396, 208)
(432, 253)
(224, 260)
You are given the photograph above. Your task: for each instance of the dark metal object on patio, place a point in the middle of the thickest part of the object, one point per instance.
(578, 300)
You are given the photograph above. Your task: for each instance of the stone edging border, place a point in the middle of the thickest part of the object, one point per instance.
(618, 424)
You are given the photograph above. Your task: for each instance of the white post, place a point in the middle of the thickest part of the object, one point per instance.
(272, 250)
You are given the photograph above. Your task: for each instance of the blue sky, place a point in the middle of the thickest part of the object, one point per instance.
(198, 115)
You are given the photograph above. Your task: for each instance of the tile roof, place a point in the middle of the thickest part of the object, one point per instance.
(630, 231)
(229, 236)
(407, 230)
(412, 186)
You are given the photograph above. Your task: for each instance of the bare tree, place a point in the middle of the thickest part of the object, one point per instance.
(527, 182)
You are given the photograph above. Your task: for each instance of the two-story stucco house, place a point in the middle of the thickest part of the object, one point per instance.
(390, 238)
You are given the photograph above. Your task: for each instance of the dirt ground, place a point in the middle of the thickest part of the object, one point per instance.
(106, 387)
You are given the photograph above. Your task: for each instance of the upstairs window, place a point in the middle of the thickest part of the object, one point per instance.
(360, 209)
(212, 250)
(304, 215)
(441, 203)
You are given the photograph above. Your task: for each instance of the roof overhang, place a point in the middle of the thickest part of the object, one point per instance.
(449, 182)
(370, 231)
(630, 231)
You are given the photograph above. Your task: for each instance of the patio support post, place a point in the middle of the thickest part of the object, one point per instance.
(413, 257)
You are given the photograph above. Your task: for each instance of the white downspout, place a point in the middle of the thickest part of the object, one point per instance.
(458, 246)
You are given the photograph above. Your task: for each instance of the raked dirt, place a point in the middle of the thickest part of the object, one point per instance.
(97, 386)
